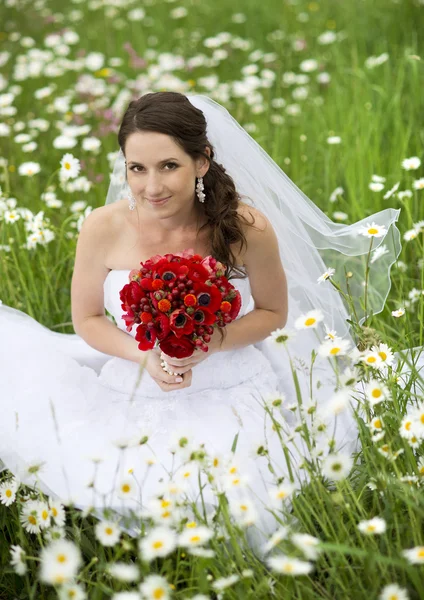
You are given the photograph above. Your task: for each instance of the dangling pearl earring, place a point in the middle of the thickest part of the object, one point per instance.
(199, 190)
(131, 204)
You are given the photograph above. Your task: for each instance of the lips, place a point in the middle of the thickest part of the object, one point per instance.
(158, 199)
(159, 202)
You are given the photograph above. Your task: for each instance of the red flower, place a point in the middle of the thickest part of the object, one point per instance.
(180, 322)
(131, 295)
(162, 326)
(209, 297)
(146, 336)
(177, 347)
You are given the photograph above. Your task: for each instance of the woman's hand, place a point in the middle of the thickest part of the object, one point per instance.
(166, 382)
(184, 365)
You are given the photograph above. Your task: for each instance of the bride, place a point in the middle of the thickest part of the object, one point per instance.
(94, 414)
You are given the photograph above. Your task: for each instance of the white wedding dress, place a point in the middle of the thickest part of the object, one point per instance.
(93, 412)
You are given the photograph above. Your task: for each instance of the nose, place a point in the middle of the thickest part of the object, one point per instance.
(153, 187)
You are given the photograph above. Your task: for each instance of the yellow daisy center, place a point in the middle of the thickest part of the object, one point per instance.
(377, 423)
(422, 418)
(376, 393)
(54, 511)
(126, 488)
(215, 462)
(371, 359)
(420, 553)
(383, 355)
(8, 493)
(372, 230)
(288, 568)
(408, 425)
(310, 321)
(109, 530)
(45, 514)
(158, 593)
(371, 528)
(233, 470)
(157, 544)
(335, 350)
(67, 165)
(195, 538)
(61, 558)
(32, 520)
(243, 507)
(165, 503)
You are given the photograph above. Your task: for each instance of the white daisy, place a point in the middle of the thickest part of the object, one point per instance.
(126, 488)
(398, 312)
(411, 164)
(410, 235)
(160, 541)
(333, 347)
(107, 532)
(415, 555)
(91, 144)
(390, 192)
(308, 544)
(289, 566)
(195, 537)
(378, 253)
(393, 592)
(71, 590)
(60, 562)
(373, 526)
(372, 230)
(276, 538)
(124, 571)
(385, 353)
(309, 320)
(54, 533)
(8, 491)
(225, 582)
(418, 184)
(57, 511)
(11, 216)
(243, 511)
(376, 392)
(155, 586)
(282, 336)
(280, 493)
(334, 139)
(70, 166)
(328, 273)
(375, 186)
(30, 516)
(45, 516)
(372, 359)
(29, 169)
(18, 559)
(337, 466)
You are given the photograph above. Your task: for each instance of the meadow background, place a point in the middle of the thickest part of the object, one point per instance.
(333, 91)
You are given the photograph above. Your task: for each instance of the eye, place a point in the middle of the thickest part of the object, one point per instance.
(138, 166)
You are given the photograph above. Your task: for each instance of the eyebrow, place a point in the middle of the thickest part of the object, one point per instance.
(132, 162)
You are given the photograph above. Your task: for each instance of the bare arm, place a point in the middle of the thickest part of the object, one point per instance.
(87, 298)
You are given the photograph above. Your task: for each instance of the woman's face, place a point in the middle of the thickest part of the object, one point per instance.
(158, 168)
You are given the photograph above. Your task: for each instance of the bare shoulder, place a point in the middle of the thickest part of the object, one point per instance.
(253, 216)
(104, 220)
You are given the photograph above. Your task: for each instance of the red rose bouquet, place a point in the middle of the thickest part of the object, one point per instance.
(176, 300)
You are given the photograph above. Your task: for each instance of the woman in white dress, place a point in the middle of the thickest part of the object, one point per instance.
(82, 405)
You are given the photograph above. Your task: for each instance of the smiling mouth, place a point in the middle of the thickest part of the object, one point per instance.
(158, 199)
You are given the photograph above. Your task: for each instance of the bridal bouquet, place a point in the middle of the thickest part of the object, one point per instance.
(176, 300)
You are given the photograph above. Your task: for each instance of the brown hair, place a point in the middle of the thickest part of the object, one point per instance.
(173, 114)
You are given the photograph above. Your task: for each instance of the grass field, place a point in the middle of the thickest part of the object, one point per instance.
(333, 91)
